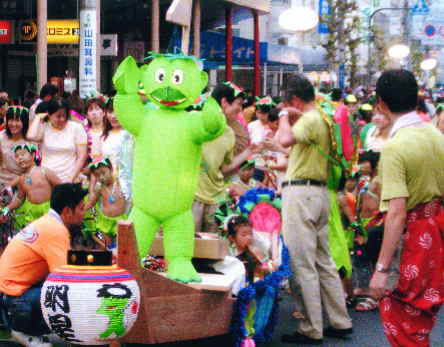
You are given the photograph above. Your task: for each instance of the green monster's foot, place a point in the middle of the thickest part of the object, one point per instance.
(181, 269)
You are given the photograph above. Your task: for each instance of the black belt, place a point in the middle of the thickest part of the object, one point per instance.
(305, 182)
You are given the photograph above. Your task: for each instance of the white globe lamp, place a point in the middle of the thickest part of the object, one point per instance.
(399, 51)
(298, 19)
(429, 64)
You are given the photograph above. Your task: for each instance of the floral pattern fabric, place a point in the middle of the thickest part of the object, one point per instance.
(409, 312)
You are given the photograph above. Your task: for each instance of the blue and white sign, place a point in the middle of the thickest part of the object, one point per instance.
(213, 48)
(341, 78)
(324, 10)
(87, 53)
(420, 8)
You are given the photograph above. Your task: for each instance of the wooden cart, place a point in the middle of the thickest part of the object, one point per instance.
(173, 311)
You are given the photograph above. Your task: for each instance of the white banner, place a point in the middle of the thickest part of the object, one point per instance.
(87, 47)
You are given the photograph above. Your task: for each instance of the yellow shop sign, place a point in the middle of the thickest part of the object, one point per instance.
(58, 31)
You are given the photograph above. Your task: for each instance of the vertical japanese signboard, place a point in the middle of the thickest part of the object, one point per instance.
(324, 12)
(87, 52)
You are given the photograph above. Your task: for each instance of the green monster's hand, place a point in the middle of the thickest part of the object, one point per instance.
(127, 77)
(214, 119)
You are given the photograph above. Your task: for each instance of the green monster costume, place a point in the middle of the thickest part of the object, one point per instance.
(167, 153)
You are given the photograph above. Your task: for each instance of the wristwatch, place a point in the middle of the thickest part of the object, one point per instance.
(381, 268)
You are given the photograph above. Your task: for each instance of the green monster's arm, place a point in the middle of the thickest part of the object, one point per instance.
(209, 123)
(127, 103)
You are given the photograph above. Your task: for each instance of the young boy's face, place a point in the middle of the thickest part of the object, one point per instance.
(246, 174)
(274, 125)
(262, 116)
(365, 168)
(231, 110)
(24, 159)
(350, 184)
(103, 174)
(243, 237)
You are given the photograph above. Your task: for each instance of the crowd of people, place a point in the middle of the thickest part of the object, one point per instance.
(344, 246)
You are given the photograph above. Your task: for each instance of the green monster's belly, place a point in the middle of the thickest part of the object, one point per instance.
(165, 170)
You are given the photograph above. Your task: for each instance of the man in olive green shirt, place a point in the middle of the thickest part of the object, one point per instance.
(218, 160)
(305, 209)
(412, 175)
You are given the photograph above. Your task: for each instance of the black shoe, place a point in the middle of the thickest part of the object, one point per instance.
(340, 333)
(300, 338)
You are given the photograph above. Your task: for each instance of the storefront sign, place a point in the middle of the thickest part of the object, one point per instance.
(88, 38)
(6, 32)
(63, 31)
(324, 12)
(213, 48)
(58, 31)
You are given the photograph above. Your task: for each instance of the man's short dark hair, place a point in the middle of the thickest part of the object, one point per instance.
(67, 195)
(299, 85)
(48, 90)
(224, 91)
(399, 90)
(336, 94)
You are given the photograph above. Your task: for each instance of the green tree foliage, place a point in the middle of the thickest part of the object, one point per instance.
(344, 36)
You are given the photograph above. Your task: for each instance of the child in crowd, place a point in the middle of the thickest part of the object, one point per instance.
(276, 156)
(367, 209)
(240, 235)
(118, 146)
(245, 180)
(95, 112)
(112, 204)
(259, 131)
(32, 198)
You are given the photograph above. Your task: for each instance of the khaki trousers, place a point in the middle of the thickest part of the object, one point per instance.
(204, 220)
(315, 281)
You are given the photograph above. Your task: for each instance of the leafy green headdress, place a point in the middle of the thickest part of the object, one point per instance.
(100, 162)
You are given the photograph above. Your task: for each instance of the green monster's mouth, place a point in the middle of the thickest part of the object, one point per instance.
(168, 96)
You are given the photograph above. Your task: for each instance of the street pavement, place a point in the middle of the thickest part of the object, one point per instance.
(366, 325)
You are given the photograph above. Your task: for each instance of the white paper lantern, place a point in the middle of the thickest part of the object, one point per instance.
(298, 19)
(429, 64)
(90, 305)
(399, 51)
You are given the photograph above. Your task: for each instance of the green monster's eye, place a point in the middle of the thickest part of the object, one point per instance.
(177, 77)
(160, 75)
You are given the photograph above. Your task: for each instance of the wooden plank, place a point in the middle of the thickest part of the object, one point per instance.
(169, 310)
(184, 317)
(212, 283)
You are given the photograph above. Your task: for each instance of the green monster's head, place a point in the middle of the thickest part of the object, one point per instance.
(173, 81)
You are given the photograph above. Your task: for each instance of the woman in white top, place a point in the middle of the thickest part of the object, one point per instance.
(17, 121)
(378, 135)
(63, 142)
(118, 146)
